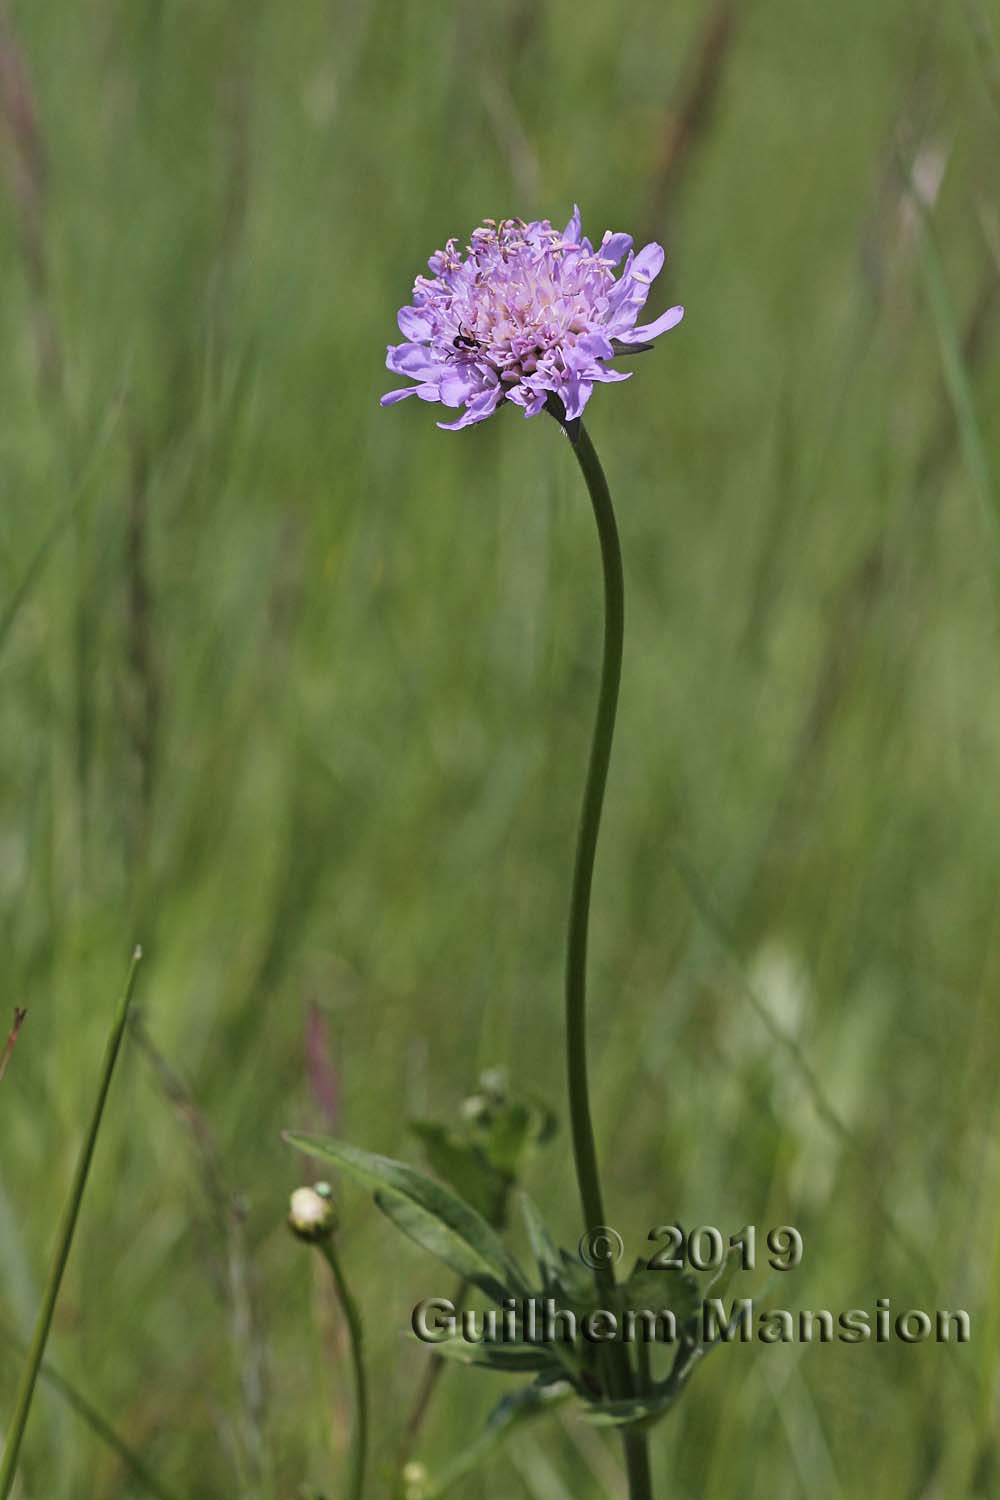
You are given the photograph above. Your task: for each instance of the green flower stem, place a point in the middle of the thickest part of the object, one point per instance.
(359, 1445)
(584, 1149)
(64, 1241)
(619, 1370)
(640, 1476)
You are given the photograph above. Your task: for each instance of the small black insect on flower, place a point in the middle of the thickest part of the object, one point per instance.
(464, 340)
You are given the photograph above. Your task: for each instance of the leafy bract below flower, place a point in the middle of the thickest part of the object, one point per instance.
(525, 313)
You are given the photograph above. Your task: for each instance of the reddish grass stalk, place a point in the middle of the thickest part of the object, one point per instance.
(19, 1016)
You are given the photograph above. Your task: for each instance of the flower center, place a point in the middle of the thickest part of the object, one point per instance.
(520, 296)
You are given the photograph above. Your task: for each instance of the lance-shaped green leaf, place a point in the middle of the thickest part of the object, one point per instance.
(428, 1213)
(542, 1245)
(506, 1359)
(638, 1411)
(520, 1406)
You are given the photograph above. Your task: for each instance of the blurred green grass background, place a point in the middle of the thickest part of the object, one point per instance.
(297, 693)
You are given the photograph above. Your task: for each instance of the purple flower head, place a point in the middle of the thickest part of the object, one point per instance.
(525, 313)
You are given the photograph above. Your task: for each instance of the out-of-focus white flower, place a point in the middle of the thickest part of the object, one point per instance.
(415, 1479)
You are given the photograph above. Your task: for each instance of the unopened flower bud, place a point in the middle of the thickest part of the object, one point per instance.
(475, 1109)
(494, 1083)
(311, 1214)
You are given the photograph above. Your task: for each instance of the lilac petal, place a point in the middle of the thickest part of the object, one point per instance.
(648, 263)
(596, 345)
(628, 297)
(575, 394)
(624, 283)
(572, 230)
(414, 323)
(464, 383)
(614, 247)
(608, 377)
(477, 411)
(410, 359)
(576, 359)
(624, 305)
(665, 321)
(533, 401)
(426, 392)
(468, 419)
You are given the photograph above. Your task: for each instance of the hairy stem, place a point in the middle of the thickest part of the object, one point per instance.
(584, 1148)
(619, 1370)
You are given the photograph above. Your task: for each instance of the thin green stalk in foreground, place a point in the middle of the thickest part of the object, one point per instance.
(584, 1149)
(64, 1241)
(359, 1445)
(102, 1429)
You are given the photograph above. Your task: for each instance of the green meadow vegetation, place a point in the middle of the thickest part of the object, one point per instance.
(297, 694)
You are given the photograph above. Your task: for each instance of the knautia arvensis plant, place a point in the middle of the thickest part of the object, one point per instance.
(535, 317)
(527, 314)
